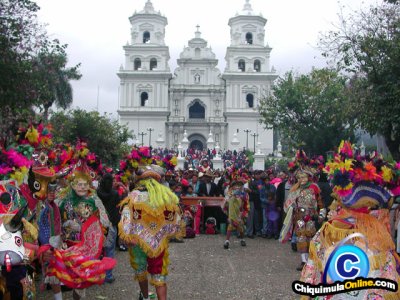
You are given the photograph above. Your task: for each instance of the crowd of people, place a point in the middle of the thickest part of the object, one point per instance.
(69, 213)
(195, 157)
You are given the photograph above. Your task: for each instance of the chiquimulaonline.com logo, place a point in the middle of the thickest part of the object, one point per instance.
(343, 287)
(348, 268)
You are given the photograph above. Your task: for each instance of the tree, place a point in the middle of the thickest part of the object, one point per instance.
(105, 137)
(309, 111)
(50, 65)
(32, 67)
(366, 45)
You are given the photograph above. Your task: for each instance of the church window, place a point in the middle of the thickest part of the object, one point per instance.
(146, 37)
(197, 111)
(250, 100)
(197, 52)
(257, 65)
(153, 63)
(249, 38)
(242, 65)
(137, 64)
(143, 98)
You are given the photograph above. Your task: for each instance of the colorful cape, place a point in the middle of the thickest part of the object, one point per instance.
(380, 250)
(78, 266)
(149, 225)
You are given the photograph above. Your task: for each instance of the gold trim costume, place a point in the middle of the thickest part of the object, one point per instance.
(362, 186)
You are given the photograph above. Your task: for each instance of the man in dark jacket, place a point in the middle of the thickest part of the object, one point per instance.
(253, 220)
(110, 198)
(208, 188)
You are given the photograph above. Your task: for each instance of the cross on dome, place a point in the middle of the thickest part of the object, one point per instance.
(247, 7)
(148, 7)
(197, 33)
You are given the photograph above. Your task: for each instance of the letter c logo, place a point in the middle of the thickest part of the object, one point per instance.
(348, 262)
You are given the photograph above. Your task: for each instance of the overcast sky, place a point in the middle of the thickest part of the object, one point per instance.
(96, 30)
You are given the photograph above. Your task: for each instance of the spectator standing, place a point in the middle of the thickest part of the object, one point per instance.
(253, 220)
(110, 198)
(266, 189)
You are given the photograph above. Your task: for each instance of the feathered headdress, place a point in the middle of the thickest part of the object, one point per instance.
(355, 177)
(14, 164)
(141, 161)
(303, 164)
(39, 136)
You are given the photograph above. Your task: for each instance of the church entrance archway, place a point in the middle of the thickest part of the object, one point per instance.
(197, 141)
(196, 144)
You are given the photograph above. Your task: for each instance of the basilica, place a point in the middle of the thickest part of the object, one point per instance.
(196, 104)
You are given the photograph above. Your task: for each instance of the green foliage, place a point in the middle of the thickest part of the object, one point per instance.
(250, 157)
(309, 111)
(366, 45)
(105, 137)
(278, 164)
(54, 77)
(33, 68)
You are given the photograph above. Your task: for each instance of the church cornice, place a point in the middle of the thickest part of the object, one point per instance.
(144, 75)
(187, 62)
(247, 18)
(246, 76)
(242, 114)
(248, 49)
(148, 17)
(146, 48)
(133, 112)
(196, 89)
(196, 124)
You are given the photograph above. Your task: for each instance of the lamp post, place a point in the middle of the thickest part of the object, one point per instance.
(254, 135)
(150, 130)
(247, 137)
(142, 134)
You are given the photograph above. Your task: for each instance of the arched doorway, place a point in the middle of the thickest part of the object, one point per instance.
(197, 145)
(197, 141)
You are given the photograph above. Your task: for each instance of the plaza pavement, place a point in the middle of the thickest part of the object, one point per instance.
(202, 269)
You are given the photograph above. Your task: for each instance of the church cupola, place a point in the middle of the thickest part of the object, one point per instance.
(148, 26)
(247, 28)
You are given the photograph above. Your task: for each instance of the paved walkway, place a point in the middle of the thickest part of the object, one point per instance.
(201, 269)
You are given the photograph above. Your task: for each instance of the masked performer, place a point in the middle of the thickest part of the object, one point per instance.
(237, 208)
(305, 201)
(150, 217)
(83, 218)
(359, 217)
(17, 244)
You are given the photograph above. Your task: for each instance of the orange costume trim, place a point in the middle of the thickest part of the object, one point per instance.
(78, 266)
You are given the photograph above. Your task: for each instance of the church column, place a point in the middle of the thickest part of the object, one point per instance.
(122, 100)
(181, 106)
(223, 138)
(170, 141)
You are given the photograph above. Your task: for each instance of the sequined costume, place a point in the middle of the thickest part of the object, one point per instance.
(150, 217)
(358, 219)
(306, 202)
(374, 225)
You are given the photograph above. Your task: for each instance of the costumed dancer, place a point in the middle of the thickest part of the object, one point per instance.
(306, 207)
(150, 217)
(18, 244)
(42, 184)
(83, 221)
(364, 188)
(237, 208)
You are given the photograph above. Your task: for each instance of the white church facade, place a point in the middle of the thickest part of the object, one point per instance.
(196, 103)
